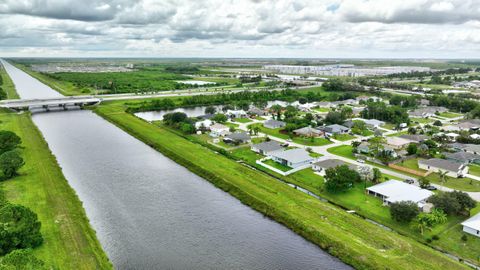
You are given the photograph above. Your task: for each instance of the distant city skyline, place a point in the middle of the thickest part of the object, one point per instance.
(416, 29)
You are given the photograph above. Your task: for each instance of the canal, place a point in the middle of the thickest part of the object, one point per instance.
(151, 213)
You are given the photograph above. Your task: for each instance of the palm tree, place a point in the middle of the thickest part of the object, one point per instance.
(443, 176)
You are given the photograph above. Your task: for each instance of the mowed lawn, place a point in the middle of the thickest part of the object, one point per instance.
(346, 236)
(70, 242)
(464, 184)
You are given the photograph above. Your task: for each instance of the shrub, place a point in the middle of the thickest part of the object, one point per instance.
(10, 162)
(404, 211)
(20, 228)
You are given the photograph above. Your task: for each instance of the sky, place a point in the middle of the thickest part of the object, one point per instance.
(241, 28)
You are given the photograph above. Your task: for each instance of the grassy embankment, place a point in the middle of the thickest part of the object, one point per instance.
(70, 242)
(8, 85)
(341, 234)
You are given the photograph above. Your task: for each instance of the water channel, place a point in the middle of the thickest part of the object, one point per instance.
(151, 213)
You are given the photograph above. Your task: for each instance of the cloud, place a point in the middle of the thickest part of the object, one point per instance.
(235, 28)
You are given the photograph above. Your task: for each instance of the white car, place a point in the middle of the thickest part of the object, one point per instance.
(360, 161)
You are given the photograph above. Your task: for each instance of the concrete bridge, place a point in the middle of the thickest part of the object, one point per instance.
(47, 103)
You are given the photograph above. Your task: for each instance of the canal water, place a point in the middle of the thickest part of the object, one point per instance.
(151, 213)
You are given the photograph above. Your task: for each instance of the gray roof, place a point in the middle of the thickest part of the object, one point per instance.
(272, 122)
(442, 164)
(293, 155)
(332, 163)
(469, 123)
(415, 138)
(335, 128)
(238, 136)
(462, 156)
(308, 131)
(269, 146)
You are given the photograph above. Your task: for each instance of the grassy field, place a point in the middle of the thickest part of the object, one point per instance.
(277, 165)
(474, 169)
(421, 120)
(243, 120)
(8, 85)
(343, 151)
(70, 242)
(464, 184)
(450, 114)
(341, 234)
(411, 164)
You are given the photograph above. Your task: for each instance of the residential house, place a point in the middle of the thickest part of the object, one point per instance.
(452, 136)
(267, 148)
(322, 166)
(334, 129)
(325, 104)
(452, 168)
(425, 112)
(293, 158)
(363, 148)
(237, 137)
(450, 128)
(277, 102)
(424, 102)
(475, 136)
(462, 157)
(397, 142)
(273, 124)
(357, 110)
(256, 111)
(469, 124)
(236, 113)
(472, 225)
(308, 132)
(367, 98)
(371, 123)
(204, 124)
(470, 148)
(219, 130)
(396, 191)
(414, 138)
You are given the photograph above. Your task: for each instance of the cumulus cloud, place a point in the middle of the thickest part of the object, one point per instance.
(246, 28)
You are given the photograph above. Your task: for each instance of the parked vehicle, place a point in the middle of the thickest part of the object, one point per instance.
(360, 161)
(431, 188)
(409, 181)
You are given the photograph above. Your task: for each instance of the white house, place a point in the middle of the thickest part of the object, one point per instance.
(236, 113)
(293, 158)
(396, 191)
(371, 123)
(219, 130)
(205, 123)
(452, 168)
(397, 142)
(472, 225)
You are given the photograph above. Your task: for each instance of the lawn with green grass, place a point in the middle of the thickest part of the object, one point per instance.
(410, 164)
(322, 109)
(8, 85)
(277, 165)
(463, 184)
(342, 234)
(422, 120)
(450, 114)
(243, 120)
(343, 151)
(343, 137)
(474, 169)
(70, 242)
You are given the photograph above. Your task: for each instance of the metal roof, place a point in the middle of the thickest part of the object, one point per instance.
(397, 191)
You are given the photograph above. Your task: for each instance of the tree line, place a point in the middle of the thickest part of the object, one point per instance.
(20, 227)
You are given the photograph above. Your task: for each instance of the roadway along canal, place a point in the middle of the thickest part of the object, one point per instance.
(151, 213)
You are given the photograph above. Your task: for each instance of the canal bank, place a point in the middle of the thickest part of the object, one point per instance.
(151, 213)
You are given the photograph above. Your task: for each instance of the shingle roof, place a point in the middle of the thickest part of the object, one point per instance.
(462, 156)
(272, 122)
(239, 136)
(268, 146)
(332, 163)
(442, 164)
(294, 155)
(414, 138)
